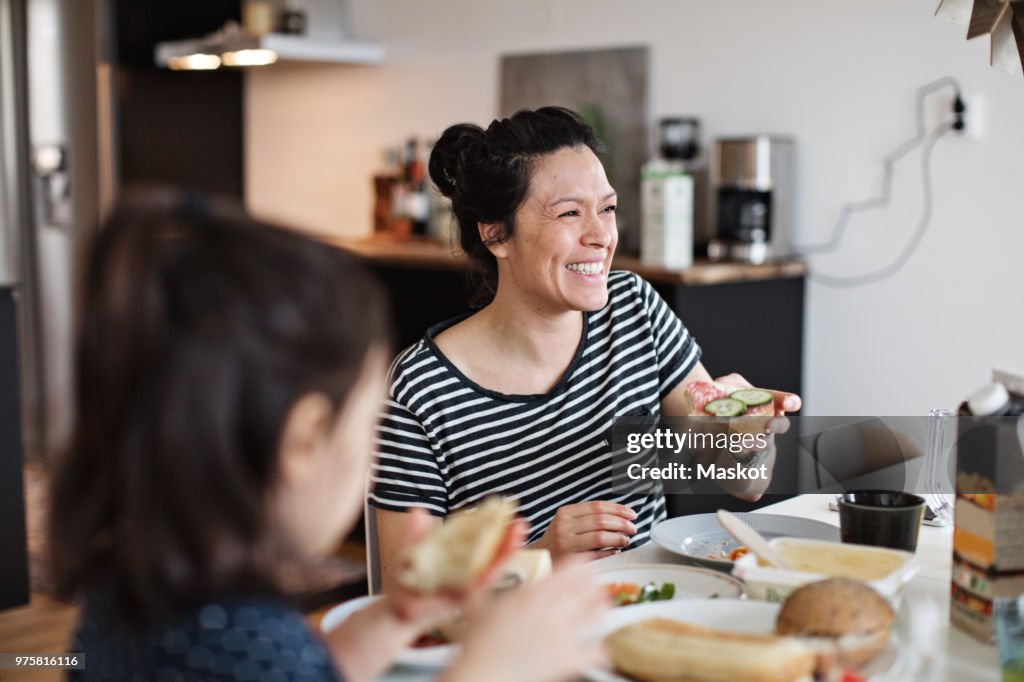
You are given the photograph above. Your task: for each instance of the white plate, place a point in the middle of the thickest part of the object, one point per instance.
(734, 615)
(749, 617)
(699, 538)
(433, 657)
(690, 582)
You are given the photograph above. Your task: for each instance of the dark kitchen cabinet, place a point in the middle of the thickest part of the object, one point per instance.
(176, 127)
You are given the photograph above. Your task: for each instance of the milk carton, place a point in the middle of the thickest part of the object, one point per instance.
(988, 536)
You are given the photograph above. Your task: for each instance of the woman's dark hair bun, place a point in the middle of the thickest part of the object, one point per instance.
(449, 152)
(486, 174)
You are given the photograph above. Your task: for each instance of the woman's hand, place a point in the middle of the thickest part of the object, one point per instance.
(752, 490)
(537, 633)
(675, 404)
(590, 529)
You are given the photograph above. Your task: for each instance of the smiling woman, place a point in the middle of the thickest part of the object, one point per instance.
(520, 396)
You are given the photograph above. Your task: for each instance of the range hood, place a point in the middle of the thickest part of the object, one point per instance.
(243, 50)
(324, 41)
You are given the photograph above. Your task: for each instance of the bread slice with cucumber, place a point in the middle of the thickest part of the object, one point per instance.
(710, 398)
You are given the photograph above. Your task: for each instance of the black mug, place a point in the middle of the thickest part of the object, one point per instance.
(881, 518)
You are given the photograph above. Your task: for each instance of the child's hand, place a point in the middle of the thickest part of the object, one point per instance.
(367, 643)
(537, 633)
(422, 609)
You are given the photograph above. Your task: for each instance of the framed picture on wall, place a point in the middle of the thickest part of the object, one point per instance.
(608, 88)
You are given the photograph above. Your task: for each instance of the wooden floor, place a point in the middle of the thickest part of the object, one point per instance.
(42, 627)
(45, 625)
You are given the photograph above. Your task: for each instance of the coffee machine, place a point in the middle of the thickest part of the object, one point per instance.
(753, 180)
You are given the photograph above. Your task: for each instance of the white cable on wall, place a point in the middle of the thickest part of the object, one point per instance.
(922, 138)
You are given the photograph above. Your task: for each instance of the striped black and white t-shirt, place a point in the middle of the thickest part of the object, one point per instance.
(445, 442)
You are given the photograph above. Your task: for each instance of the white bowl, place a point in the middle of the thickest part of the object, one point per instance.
(773, 584)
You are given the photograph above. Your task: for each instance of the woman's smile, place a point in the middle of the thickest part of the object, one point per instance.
(588, 269)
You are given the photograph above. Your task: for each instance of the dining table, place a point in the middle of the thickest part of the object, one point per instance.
(955, 655)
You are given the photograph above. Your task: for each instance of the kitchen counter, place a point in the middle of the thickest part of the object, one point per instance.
(432, 254)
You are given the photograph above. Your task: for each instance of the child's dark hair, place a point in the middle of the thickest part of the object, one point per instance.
(199, 329)
(486, 173)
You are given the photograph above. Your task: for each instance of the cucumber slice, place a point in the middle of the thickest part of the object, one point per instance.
(752, 396)
(726, 407)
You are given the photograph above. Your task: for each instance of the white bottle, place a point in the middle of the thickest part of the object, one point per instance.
(666, 199)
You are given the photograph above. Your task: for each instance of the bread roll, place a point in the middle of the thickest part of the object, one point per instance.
(847, 611)
(453, 557)
(664, 650)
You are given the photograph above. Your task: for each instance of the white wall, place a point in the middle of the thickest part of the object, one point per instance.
(840, 77)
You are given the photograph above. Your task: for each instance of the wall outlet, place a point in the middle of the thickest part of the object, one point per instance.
(973, 116)
(938, 108)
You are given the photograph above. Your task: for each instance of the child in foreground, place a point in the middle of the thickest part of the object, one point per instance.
(229, 374)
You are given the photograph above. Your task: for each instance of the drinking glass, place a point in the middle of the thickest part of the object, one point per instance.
(939, 447)
(1010, 635)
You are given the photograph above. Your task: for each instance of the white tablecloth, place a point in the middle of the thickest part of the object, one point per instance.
(963, 659)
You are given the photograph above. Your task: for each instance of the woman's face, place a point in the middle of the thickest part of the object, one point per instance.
(565, 235)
